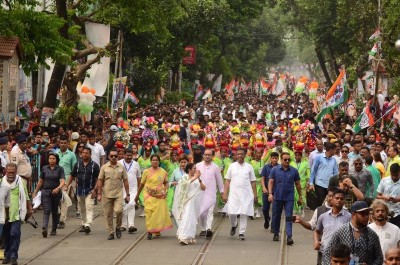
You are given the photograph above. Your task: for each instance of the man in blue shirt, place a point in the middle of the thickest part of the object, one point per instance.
(281, 191)
(324, 167)
(86, 171)
(264, 183)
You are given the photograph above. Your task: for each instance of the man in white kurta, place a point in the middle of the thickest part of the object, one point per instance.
(133, 169)
(212, 179)
(241, 186)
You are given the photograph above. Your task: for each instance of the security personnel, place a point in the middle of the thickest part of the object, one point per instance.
(21, 159)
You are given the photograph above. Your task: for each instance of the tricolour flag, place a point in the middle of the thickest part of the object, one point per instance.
(365, 120)
(248, 86)
(217, 84)
(376, 35)
(373, 51)
(396, 114)
(199, 92)
(264, 86)
(337, 95)
(280, 87)
(207, 95)
(132, 98)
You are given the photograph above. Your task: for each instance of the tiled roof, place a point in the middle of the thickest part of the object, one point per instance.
(9, 46)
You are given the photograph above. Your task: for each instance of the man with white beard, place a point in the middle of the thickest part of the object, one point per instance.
(241, 185)
(133, 169)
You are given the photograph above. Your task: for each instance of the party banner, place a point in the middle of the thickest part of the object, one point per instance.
(118, 92)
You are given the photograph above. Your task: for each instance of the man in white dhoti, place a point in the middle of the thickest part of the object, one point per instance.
(241, 186)
(186, 206)
(212, 179)
(133, 169)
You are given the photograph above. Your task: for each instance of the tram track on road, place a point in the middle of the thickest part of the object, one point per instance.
(205, 247)
(51, 247)
(199, 258)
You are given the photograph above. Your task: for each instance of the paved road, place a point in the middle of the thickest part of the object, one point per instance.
(72, 247)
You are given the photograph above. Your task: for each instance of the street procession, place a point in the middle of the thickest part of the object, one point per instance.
(199, 132)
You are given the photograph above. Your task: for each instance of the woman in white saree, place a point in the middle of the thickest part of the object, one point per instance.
(186, 207)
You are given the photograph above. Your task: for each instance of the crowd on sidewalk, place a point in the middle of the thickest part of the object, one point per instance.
(176, 164)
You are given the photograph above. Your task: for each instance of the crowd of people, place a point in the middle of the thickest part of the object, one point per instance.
(251, 157)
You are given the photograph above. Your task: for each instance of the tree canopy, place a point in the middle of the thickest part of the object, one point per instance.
(235, 38)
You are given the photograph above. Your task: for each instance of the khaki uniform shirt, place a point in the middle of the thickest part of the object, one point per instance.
(20, 158)
(112, 177)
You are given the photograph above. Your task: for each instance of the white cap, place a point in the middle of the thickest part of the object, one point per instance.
(75, 136)
(276, 134)
(113, 128)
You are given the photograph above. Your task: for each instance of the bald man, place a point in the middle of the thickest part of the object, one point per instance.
(392, 256)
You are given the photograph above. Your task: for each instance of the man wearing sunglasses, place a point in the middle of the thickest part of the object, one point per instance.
(282, 180)
(364, 178)
(362, 240)
(112, 179)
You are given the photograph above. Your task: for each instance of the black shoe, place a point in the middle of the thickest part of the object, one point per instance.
(61, 225)
(87, 229)
(276, 237)
(266, 224)
(14, 262)
(289, 241)
(123, 229)
(53, 233)
(132, 229)
(44, 232)
(6, 261)
(149, 236)
(111, 237)
(251, 217)
(82, 229)
(118, 232)
(202, 233)
(233, 231)
(241, 237)
(209, 233)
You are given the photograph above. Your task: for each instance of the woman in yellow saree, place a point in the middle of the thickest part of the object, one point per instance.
(154, 184)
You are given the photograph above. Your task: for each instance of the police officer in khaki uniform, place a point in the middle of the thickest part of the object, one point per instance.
(109, 186)
(21, 159)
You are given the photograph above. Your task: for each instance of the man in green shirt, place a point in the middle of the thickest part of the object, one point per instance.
(376, 175)
(20, 209)
(67, 162)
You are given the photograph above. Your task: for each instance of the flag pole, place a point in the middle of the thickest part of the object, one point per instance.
(387, 112)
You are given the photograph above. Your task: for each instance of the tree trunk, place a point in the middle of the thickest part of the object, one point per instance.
(59, 69)
(175, 77)
(54, 85)
(70, 82)
(334, 63)
(321, 61)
